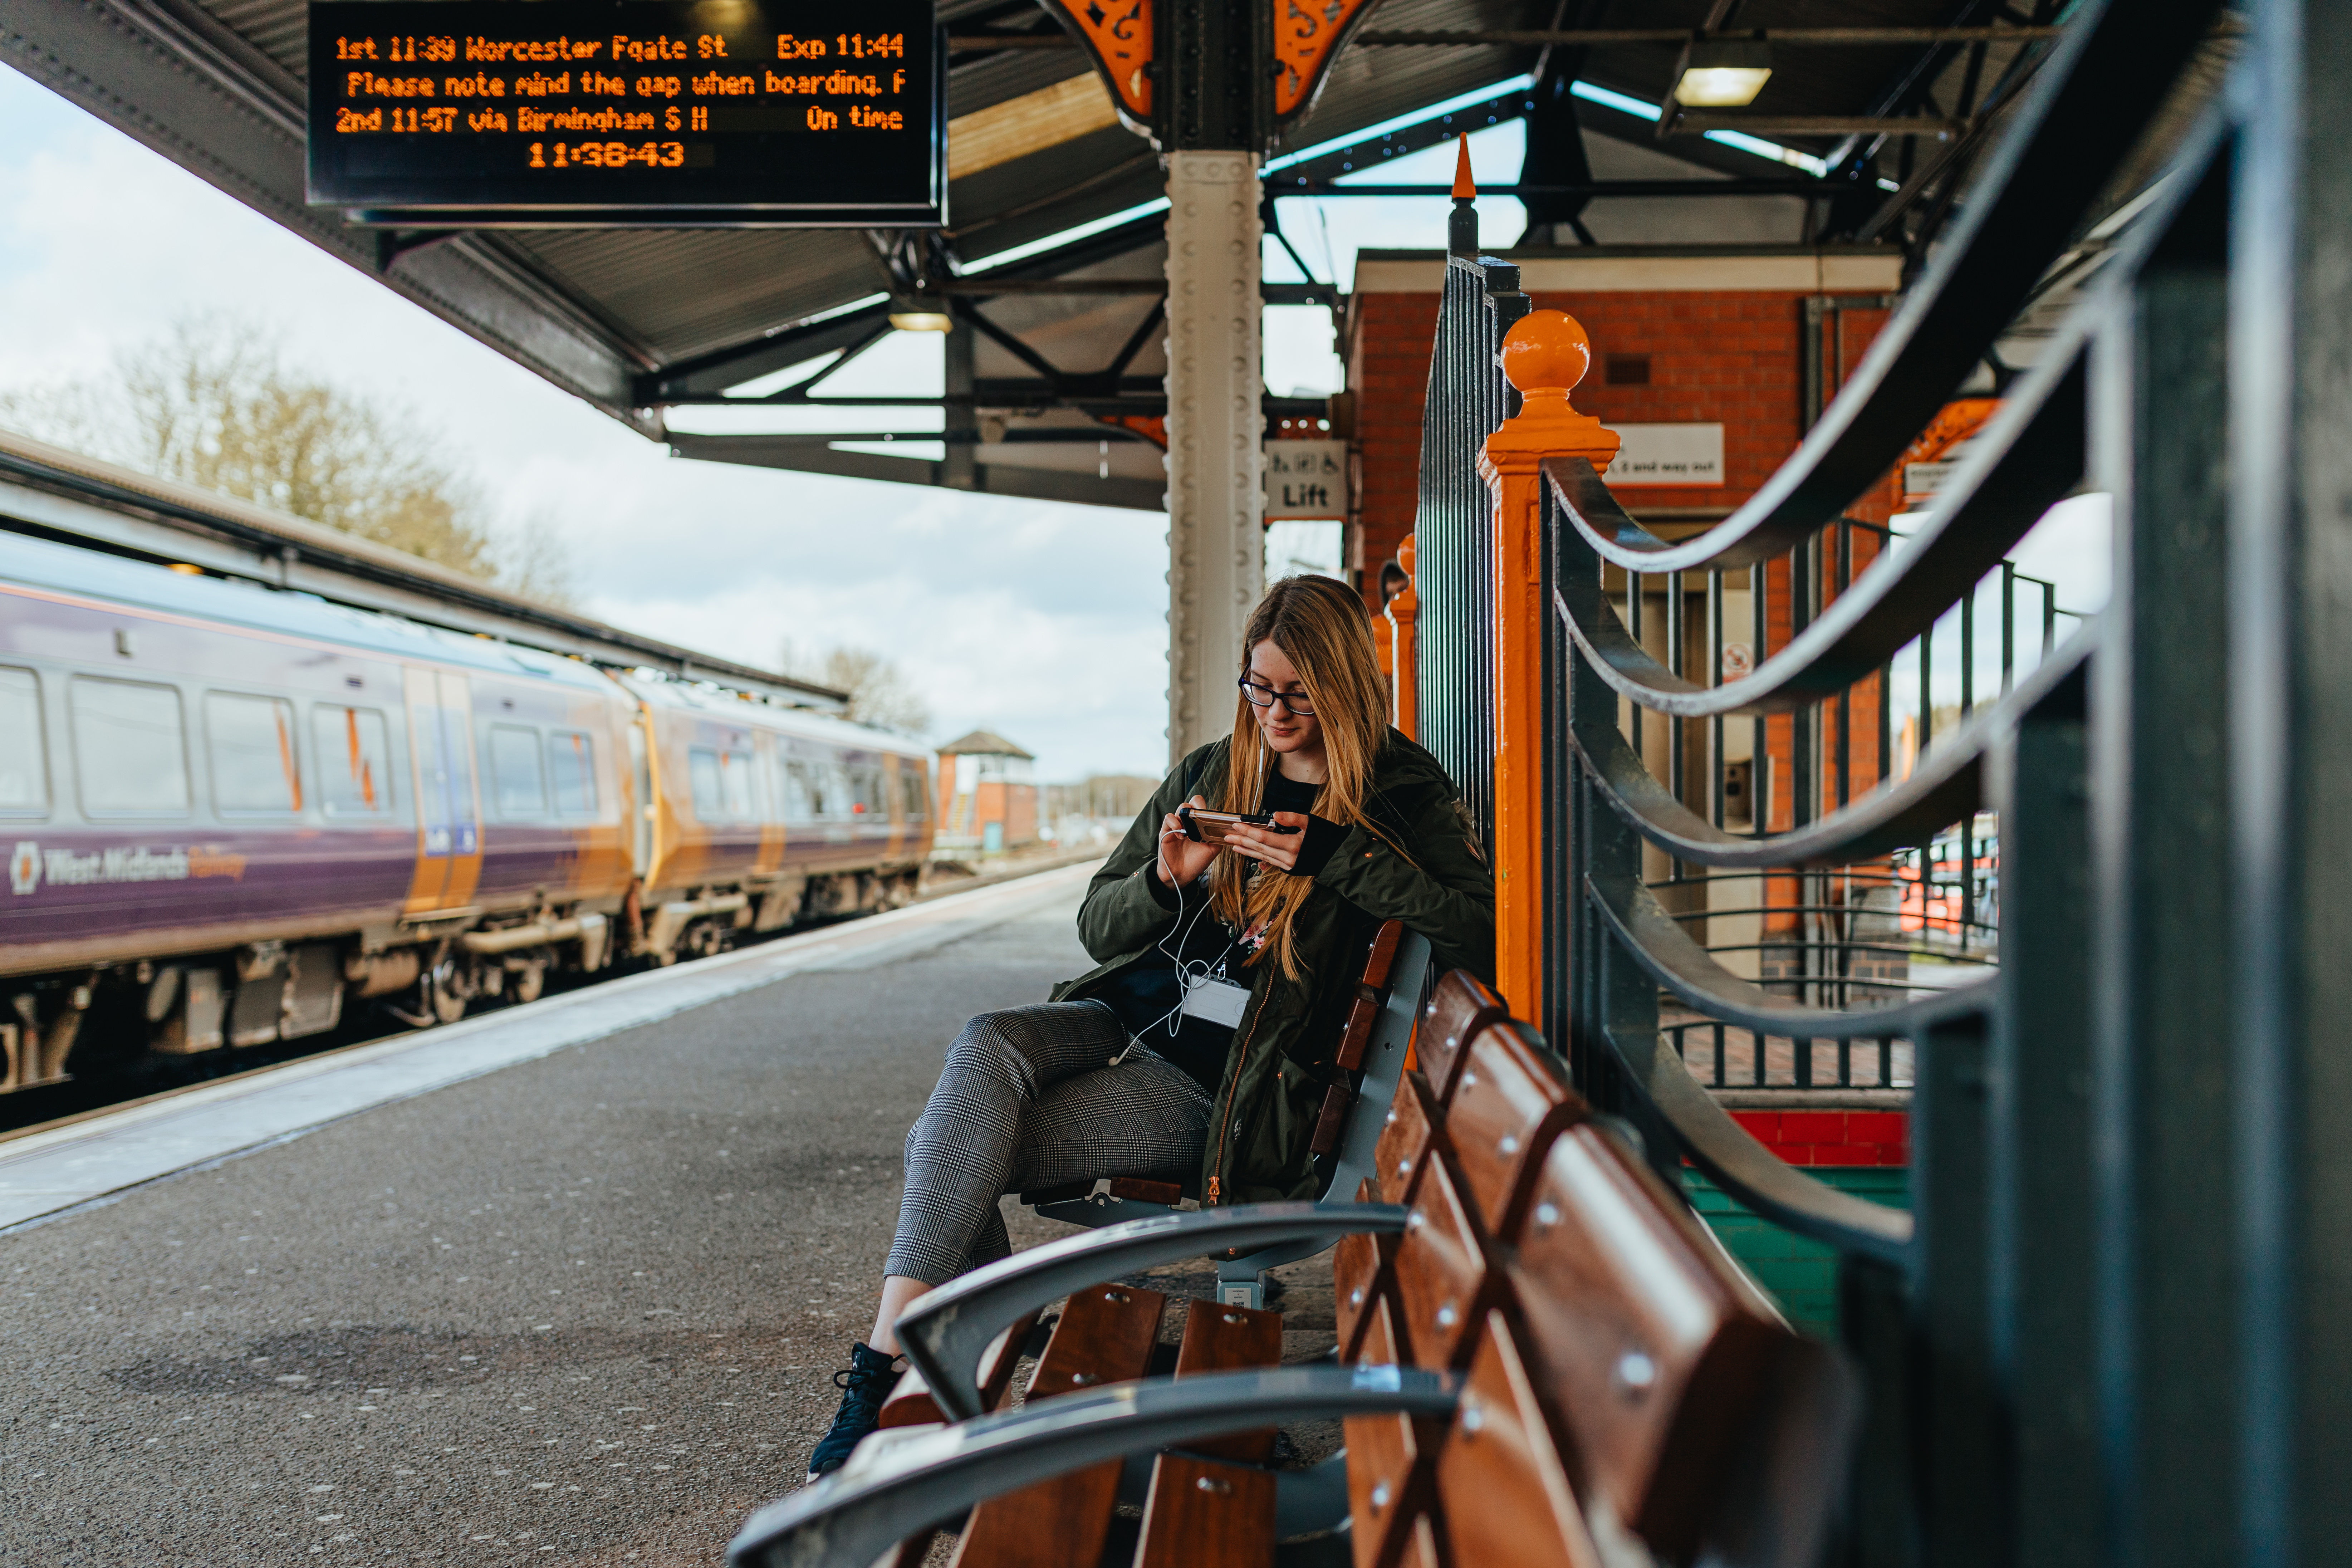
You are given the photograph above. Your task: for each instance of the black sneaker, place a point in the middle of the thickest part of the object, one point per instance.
(863, 1386)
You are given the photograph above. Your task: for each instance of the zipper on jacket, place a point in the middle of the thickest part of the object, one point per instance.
(1215, 1184)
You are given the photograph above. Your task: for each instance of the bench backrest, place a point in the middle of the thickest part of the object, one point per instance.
(1623, 1376)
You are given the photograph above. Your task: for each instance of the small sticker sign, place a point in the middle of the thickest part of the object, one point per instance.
(1306, 479)
(1683, 454)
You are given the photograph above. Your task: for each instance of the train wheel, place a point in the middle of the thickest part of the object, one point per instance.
(448, 988)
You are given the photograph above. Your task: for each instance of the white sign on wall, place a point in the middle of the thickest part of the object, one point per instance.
(1306, 479)
(1668, 455)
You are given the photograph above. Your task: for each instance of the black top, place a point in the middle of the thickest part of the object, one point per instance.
(1146, 997)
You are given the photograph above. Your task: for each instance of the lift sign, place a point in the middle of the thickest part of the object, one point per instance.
(484, 110)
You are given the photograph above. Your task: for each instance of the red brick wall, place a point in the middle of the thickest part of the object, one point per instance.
(1725, 357)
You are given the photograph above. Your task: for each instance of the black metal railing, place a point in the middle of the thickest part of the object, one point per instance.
(2108, 1330)
(1453, 524)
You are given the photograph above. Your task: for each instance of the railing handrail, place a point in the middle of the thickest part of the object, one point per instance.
(1983, 274)
(1947, 785)
(1995, 501)
(1649, 934)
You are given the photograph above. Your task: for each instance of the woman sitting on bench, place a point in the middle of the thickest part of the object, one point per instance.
(1199, 1048)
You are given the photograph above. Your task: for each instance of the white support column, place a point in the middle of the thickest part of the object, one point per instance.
(1216, 493)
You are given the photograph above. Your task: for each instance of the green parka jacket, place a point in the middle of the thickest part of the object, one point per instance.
(1278, 1068)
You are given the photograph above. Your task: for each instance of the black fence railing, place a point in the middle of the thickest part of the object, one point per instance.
(1454, 525)
(2111, 1326)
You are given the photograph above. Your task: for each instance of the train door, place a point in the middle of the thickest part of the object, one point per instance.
(448, 816)
(642, 841)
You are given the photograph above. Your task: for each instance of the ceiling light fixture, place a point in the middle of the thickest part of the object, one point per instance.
(919, 310)
(1722, 73)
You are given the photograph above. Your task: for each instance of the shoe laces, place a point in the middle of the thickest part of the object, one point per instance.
(862, 1379)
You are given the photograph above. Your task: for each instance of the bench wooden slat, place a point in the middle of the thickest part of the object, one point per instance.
(1356, 1281)
(1423, 1548)
(1508, 1106)
(1106, 1335)
(1405, 1133)
(1442, 1271)
(1138, 1189)
(1388, 1478)
(1204, 1514)
(1219, 1338)
(1658, 1351)
(1458, 1009)
(1503, 1491)
(1361, 1017)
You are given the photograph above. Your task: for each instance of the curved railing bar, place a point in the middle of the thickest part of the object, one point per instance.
(1733, 1159)
(944, 1331)
(2100, 91)
(1622, 541)
(1949, 784)
(888, 1491)
(2028, 458)
(1673, 957)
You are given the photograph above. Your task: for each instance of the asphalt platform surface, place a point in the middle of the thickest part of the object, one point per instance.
(584, 1310)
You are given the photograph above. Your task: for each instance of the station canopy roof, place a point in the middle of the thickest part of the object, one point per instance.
(1862, 135)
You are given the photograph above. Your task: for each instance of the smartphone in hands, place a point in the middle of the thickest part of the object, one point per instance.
(1206, 826)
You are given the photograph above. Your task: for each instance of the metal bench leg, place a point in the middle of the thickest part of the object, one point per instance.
(1241, 1283)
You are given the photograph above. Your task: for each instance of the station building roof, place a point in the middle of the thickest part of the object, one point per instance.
(1881, 126)
(984, 743)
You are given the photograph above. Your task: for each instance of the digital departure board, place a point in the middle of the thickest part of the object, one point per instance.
(590, 111)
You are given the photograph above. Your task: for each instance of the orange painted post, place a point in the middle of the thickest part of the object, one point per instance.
(1404, 657)
(1544, 354)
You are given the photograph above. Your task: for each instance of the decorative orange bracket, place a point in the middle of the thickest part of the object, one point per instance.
(1118, 36)
(1544, 354)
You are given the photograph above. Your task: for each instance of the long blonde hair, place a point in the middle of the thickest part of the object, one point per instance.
(1321, 628)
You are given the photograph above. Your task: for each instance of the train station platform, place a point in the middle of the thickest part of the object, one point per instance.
(564, 1284)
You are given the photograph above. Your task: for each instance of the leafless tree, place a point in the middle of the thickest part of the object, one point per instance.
(879, 692)
(213, 404)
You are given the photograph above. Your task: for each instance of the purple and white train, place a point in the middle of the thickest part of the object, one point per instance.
(229, 811)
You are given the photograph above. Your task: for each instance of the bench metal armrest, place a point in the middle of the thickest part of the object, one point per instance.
(888, 1492)
(945, 1331)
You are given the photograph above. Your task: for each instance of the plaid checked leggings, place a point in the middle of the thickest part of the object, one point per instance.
(1028, 1100)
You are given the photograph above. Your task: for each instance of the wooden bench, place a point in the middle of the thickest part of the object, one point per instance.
(1548, 1361)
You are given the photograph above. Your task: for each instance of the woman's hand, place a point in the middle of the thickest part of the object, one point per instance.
(1181, 861)
(1277, 850)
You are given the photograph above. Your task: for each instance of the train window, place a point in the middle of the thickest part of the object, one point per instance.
(800, 792)
(131, 741)
(250, 740)
(865, 793)
(572, 767)
(742, 789)
(912, 793)
(840, 800)
(702, 773)
(24, 759)
(517, 777)
(354, 760)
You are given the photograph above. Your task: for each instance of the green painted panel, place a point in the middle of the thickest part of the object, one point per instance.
(1798, 1274)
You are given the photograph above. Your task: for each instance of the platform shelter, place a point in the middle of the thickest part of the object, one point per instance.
(1699, 489)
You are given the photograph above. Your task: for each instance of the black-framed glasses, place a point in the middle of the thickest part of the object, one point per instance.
(1266, 697)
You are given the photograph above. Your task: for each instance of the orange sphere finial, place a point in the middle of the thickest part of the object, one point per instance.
(1546, 351)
